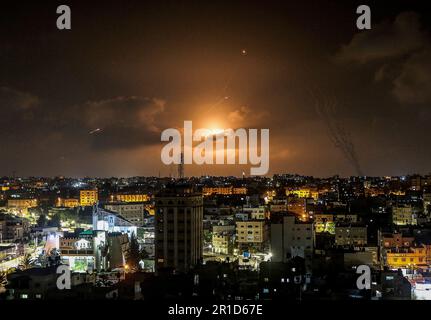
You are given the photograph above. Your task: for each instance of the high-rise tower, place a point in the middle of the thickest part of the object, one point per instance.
(181, 166)
(178, 228)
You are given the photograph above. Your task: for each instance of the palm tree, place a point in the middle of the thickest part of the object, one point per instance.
(27, 262)
(134, 254)
(54, 257)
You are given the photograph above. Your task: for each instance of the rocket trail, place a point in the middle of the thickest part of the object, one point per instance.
(326, 108)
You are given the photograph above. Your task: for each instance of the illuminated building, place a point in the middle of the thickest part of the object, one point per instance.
(403, 215)
(304, 193)
(21, 205)
(94, 250)
(418, 182)
(397, 193)
(401, 251)
(179, 228)
(407, 257)
(67, 202)
(132, 197)
(12, 228)
(350, 234)
(78, 252)
(256, 213)
(119, 245)
(7, 250)
(112, 222)
(296, 206)
(374, 192)
(133, 212)
(278, 205)
(229, 190)
(227, 228)
(251, 233)
(291, 237)
(269, 196)
(325, 222)
(2, 228)
(88, 197)
(394, 240)
(427, 203)
(221, 243)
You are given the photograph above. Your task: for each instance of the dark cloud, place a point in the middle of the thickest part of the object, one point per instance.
(385, 40)
(404, 48)
(13, 100)
(125, 122)
(413, 84)
(246, 117)
(18, 109)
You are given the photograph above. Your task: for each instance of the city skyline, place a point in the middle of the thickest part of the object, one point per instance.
(186, 177)
(214, 158)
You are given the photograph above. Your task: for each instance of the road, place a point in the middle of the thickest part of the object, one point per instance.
(6, 265)
(14, 263)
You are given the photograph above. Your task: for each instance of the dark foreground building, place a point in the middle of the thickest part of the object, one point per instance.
(179, 229)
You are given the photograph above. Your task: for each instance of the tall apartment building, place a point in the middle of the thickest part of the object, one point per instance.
(251, 233)
(134, 212)
(20, 206)
(88, 197)
(419, 182)
(427, 203)
(221, 243)
(408, 257)
(12, 228)
(278, 205)
(179, 228)
(404, 215)
(350, 234)
(290, 238)
(257, 213)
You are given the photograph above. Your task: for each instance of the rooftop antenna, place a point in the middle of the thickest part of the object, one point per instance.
(181, 167)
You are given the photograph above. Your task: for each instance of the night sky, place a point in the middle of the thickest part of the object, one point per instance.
(93, 101)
